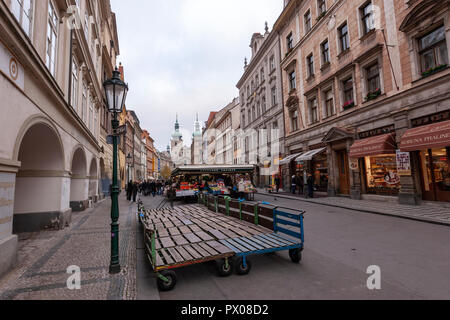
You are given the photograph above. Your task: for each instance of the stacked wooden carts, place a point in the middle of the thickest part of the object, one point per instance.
(218, 229)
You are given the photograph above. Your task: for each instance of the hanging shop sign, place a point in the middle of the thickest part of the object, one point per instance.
(403, 163)
(354, 164)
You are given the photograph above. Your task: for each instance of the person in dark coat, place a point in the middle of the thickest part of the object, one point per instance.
(310, 186)
(277, 183)
(129, 190)
(300, 185)
(135, 191)
(153, 188)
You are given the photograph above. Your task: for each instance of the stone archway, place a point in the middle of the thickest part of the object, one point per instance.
(93, 181)
(104, 180)
(79, 184)
(41, 181)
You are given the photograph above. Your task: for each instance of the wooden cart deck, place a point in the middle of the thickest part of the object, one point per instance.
(192, 234)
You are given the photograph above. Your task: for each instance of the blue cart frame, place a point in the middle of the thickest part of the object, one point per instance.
(281, 225)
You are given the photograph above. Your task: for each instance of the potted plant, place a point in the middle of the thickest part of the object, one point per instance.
(433, 70)
(373, 95)
(348, 105)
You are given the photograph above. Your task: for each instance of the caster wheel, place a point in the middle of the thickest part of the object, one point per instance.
(167, 286)
(240, 269)
(224, 269)
(295, 255)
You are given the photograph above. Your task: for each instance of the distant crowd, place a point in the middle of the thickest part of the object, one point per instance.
(145, 188)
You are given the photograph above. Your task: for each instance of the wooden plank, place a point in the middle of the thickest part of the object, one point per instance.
(271, 242)
(219, 247)
(175, 255)
(195, 228)
(167, 242)
(200, 250)
(264, 244)
(185, 229)
(163, 233)
(169, 225)
(174, 232)
(180, 240)
(237, 245)
(251, 243)
(192, 252)
(205, 237)
(280, 242)
(241, 232)
(229, 233)
(159, 261)
(219, 235)
(275, 237)
(167, 257)
(245, 244)
(229, 245)
(208, 249)
(192, 238)
(157, 244)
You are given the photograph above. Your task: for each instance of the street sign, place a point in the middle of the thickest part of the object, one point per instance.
(109, 139)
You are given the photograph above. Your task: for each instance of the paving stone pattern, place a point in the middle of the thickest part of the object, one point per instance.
(41, 273)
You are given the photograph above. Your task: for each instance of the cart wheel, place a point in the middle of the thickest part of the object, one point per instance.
(295, 255)
(240, 269)
(167, 286)
(224, 270)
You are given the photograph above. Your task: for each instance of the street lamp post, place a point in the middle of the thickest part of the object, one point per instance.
(116, 92)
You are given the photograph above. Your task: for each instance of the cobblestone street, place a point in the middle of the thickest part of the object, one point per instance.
(44, 257)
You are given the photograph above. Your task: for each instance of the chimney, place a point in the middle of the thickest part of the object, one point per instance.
(122, 77)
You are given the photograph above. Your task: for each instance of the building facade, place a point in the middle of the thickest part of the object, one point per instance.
(51, 66)
(261, 103)
(366, 97)
(181, 155)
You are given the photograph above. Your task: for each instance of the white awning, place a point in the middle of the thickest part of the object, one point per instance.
(310, 155)
(288, 159)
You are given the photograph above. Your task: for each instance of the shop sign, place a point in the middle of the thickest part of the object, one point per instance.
(403, 163)
(10, 67)
(354, 164)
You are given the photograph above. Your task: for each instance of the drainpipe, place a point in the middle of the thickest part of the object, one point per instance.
(70, 67)
(282, 106)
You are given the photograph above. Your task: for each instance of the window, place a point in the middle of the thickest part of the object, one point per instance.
(290, 42)
(253, 113)
(292, 82)
(433, 49)
(294, 120)
(52, 38)
(272, 63)
(263, 104)
(347, 86)
(373, 78)
(310, 65)
(22, 10)
(74, 87)
(329, 103)
(325, 52)
(344, 40)
(249, 116)
(314, 117)
(321, 6)
(262, 75)
(91, 115)
(307, 18)
(252, 86)
(257, 81)
(258, 109)
(243, 120)
(274, 96)
(84, 103)
(86, 24)
(367, 18)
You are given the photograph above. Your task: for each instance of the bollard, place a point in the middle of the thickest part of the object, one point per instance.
(227, 205)
(256, 214)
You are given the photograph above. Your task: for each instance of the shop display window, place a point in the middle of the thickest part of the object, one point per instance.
(382, 176)
(436, 174)
(320, 168)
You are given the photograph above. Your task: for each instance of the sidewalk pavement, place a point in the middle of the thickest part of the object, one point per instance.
(43, 259)
(427, 212)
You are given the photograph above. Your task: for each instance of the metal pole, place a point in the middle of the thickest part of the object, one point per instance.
(114, 266)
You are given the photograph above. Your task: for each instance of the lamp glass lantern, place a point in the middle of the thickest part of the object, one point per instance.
(116, 93)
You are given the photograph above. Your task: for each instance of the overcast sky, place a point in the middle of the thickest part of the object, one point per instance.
(185, 56)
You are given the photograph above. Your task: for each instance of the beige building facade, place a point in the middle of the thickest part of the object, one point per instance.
(51, 67)
(366, 97)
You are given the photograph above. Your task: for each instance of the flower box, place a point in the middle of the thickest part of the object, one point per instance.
(434, 70)
(348, 105)
(321, 16)
(373, 95)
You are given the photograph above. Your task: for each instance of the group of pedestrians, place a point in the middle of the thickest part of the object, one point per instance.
(297, 182)
(146, 188)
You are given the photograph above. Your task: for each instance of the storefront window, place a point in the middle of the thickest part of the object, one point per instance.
(320, 168)
(382, 176)
(436, 174)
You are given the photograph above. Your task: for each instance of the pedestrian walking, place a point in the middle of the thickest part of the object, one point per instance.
(129, 190)
(300, 185)
(135, 191)
(310, 182)
(294, 184)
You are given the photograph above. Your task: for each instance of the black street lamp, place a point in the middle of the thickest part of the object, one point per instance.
(116, 93)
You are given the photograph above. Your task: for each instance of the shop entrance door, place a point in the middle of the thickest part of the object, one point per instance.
(344, 178)
(435, 174)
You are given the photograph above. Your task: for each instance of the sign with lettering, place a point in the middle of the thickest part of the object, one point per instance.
(354, 164)
(11, 68)
(403, 163)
